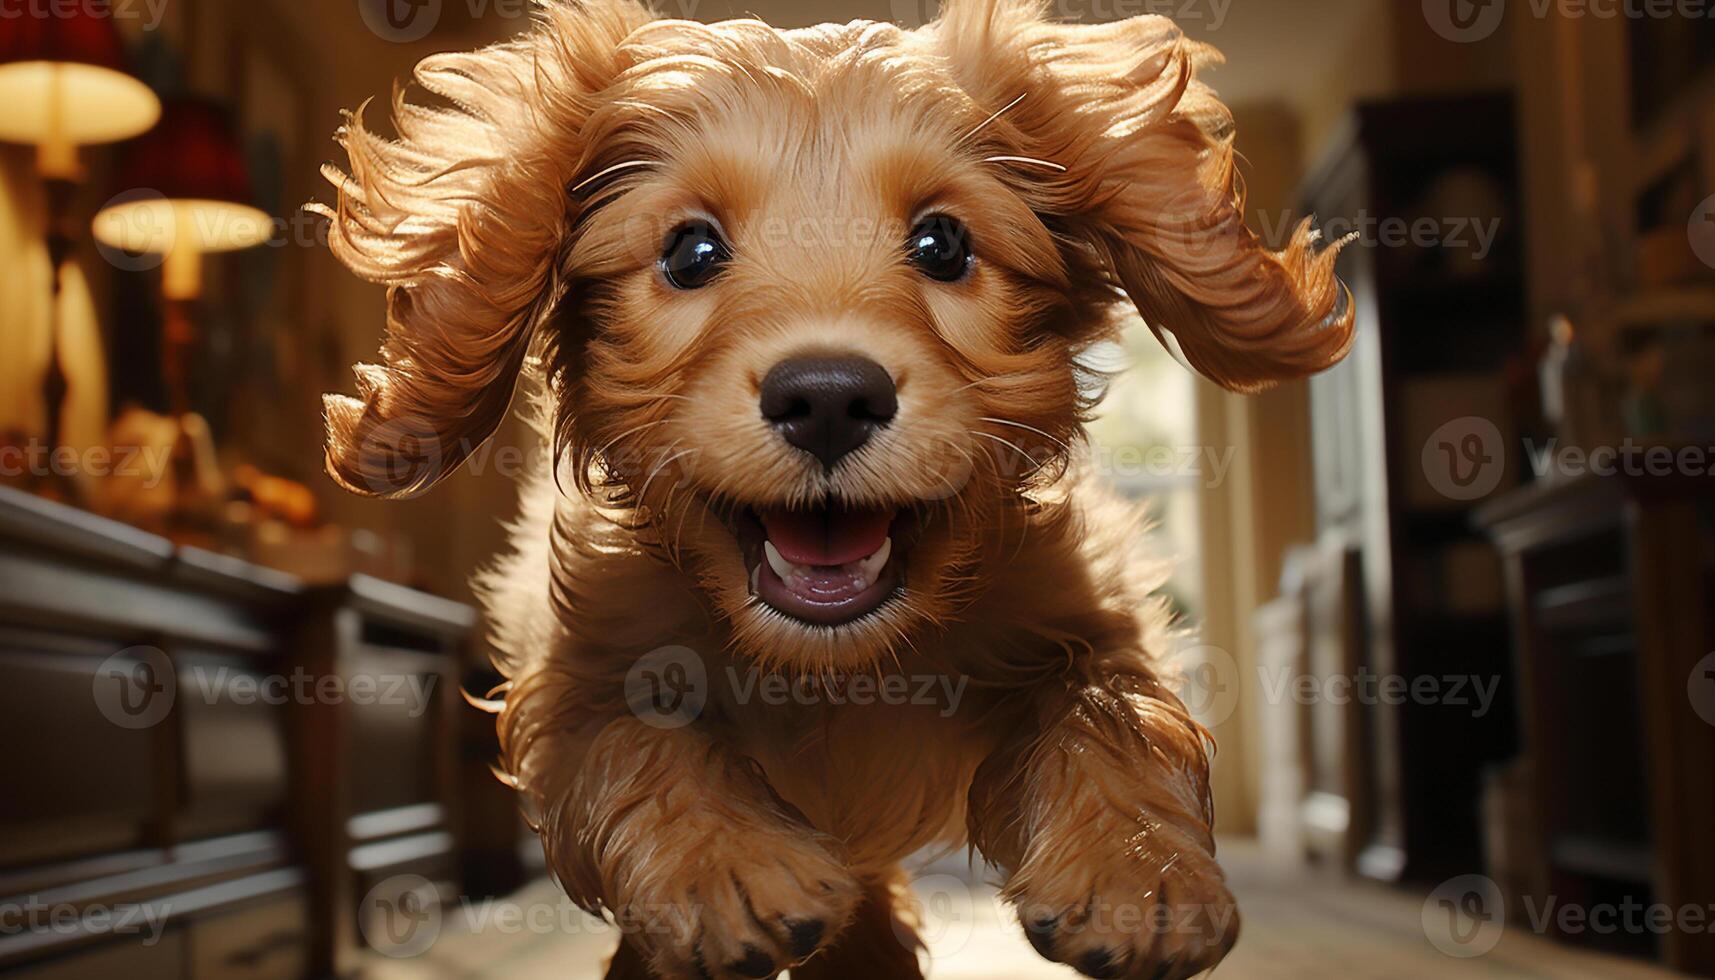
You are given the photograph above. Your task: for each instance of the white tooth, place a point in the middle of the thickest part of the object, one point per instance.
(781, 566)
(870, 568)
(755, 574)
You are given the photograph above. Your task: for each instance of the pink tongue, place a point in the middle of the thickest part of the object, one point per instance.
(824, 536)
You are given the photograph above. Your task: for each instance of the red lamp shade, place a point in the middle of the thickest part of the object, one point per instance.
(63, 83)
(186, 188)
(192, 154)
(75, 34)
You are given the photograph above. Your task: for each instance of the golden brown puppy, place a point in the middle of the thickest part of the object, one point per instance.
(806, 309)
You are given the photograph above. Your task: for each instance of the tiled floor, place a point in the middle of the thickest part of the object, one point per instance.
(1296, 925)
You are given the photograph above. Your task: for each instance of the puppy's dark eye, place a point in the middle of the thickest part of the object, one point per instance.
(940, 248)
(694, 256)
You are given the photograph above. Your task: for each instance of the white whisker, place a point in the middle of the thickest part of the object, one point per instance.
(630, 432)
(666, 511)
(643, 495)
(1009, 445)
(628, 165)
(1028, 428)
(1003, 110)
(679, 534)
(1051, 165)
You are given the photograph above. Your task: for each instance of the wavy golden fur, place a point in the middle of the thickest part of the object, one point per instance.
(517, 226)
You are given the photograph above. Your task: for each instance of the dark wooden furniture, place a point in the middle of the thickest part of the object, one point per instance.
(384, 817)
(1437, 317)
(1611, 583)
(210, 751)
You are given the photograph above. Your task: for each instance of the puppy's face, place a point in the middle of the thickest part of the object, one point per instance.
(815, 346)
(810, 303)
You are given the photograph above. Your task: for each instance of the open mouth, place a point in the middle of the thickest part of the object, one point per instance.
(824, 565)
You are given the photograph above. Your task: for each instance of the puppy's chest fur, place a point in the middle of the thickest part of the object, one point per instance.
(887, 775)
(880, 757)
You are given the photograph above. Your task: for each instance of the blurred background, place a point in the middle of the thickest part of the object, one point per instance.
(1454, 594)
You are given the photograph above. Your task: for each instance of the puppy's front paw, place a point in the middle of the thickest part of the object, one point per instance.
(748, 906)
(1151, 904)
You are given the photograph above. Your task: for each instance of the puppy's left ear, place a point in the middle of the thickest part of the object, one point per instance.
(462, 218)
(1149, 184)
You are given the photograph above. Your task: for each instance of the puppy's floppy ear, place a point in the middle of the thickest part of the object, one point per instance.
(462, 217)
(1150, 184)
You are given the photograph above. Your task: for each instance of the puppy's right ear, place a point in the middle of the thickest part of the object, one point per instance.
(463, 218)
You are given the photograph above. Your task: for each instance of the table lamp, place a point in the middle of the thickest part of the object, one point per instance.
(63, 85)
(188, 194)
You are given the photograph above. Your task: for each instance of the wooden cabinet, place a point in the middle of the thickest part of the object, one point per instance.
(1429, 186)
(1610, 582)
(206, 763)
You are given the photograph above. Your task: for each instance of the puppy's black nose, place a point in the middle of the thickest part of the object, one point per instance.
(828, 406)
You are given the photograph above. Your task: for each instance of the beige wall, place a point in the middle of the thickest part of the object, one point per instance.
(1264, 505)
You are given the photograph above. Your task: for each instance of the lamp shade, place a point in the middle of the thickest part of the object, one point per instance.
(186, 187)
(63, 80)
